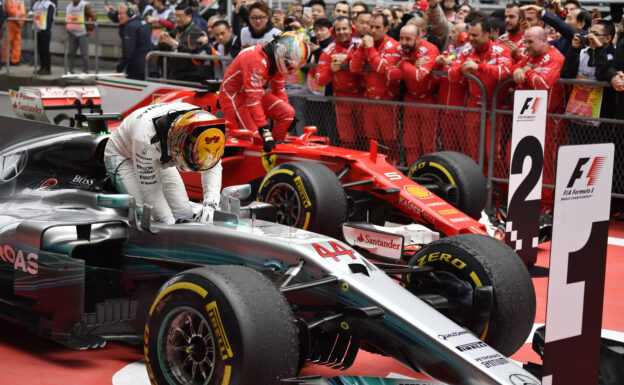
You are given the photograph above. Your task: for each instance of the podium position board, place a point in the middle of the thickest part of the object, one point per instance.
(577, 264)
(525, 173)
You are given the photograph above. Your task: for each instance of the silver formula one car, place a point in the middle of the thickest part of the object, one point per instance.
(241, 300)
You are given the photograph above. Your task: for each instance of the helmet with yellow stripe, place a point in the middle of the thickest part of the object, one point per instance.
(196, 141)
(291, 52)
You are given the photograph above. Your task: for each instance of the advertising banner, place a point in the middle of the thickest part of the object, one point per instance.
(577, 264)
(525, 173)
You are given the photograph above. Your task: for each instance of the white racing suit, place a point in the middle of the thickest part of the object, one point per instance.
(134, 166)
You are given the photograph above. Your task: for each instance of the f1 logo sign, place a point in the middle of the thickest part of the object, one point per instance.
(530, 103)
(592, 174)
(577, 264)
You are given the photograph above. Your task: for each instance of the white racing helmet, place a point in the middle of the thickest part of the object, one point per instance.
(291, 52)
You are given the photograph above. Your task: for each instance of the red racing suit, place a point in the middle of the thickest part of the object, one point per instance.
(494, 62)
(243, 96)
(543, 75)
(379, 119)
(345, 84)
(452, 127)
(420, 134)
(518, 39)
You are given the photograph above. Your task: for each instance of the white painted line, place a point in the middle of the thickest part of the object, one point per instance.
(132, 374)
(616, 241)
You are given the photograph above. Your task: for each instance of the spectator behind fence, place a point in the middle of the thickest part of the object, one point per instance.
(513, 39)
(13, 8)
(184, 39)
(135, 44)
(539, 70)
(357, 8)
(498, 28)
(440, 26)
(211, 22)
(44, 11)
(452, 128)
(227, 44)
(333, 67)
(260, 29)
(488, 61)
(320, 112)
(577, 21)
(418, 59)
(77, 12)
(196, 17)
(591, 58)
(362, 23)
(317, 12)
(379, 52)
(145, 9)
(341, 8)
(162, 19)
(615, 75)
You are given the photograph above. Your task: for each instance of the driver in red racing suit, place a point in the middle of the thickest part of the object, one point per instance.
(243, 95)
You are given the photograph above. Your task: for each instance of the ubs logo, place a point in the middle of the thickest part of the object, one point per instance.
(12, 165)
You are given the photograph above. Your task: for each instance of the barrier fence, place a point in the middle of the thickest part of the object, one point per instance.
(410, 130)
(66, 41)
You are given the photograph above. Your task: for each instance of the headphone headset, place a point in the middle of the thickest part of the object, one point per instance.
(462, 38)
(130, 10)
(333, 33)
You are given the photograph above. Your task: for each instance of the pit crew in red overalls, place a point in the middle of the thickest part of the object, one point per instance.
(244, 97)
(420, 134)
(344, 82)
(491, 63)
(380, 52)
(540, 70)
(451, 122)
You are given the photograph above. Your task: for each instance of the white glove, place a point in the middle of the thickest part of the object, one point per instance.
(211, 201)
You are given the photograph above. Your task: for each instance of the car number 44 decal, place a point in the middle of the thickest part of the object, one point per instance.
(338, 251)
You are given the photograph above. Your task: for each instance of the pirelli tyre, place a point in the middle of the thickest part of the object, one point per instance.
(220, 325)
(306, 195)
(465, 267)
(454, 168)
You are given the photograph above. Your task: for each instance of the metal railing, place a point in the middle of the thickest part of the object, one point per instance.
(35, 52)
(153, 55)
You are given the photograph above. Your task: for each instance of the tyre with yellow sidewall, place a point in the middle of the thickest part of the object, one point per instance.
(306, 195)
(456, 169)
(479, 260)
(225, 325)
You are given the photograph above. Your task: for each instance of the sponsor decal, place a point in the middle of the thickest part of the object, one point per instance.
(144, 151)
(463, 219)
(302, 192)
(436, 204)
(48, 184)
(448, 211)
(338, 251)
(582, 182)
(521, 379)
(471, 346)
(82, 181)
(21, 260)
(492, 360)
(379, 242)
(452, 335)
(225, 350)
(528, 112)
(418, 191)
(442, 257)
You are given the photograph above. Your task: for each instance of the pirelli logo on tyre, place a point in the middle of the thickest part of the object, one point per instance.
(442, 257)
(225, 350)
(302, 192)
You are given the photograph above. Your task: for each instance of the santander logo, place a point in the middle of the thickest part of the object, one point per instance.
(390, 244)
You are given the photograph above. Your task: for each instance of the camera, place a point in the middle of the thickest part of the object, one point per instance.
(584, 41)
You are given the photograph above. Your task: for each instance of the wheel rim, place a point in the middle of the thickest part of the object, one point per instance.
(286, 200)
(186, 347)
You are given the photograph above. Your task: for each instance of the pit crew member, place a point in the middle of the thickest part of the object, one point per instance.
(418, 57)
(141, 153)
(244, 97)
(345, 83)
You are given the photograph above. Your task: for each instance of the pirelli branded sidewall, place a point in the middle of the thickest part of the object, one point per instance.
(307, 195)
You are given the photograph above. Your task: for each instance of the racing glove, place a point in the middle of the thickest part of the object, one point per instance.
(267, 137)
(210, 204)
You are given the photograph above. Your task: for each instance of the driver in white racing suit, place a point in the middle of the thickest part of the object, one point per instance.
(141, 153)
